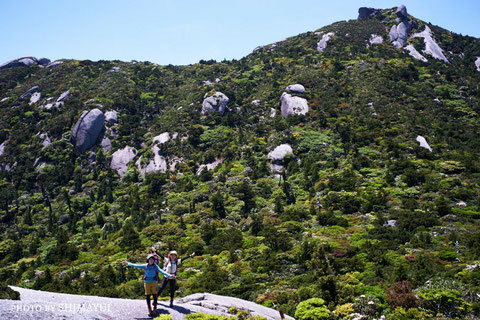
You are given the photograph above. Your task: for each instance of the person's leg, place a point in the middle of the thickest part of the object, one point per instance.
(172, 290)
(155, 298)
(148, 305)
(162, 286)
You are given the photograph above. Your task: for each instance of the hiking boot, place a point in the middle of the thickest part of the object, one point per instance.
(171, 303)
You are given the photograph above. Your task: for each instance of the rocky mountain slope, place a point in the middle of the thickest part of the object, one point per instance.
(336, 170)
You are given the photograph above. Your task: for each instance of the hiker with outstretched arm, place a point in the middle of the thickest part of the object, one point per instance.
(170, 265)
(150, 280)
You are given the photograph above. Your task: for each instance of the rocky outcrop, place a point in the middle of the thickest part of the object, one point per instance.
(46, 141)
(399, 33)
(276, 157)
(158, 163)
(106, 144)
(477, 63)
(43, 61)
(293, 105)
(209, 166)
(375, 39)
(215, 103)
(431, 47)
(322, 44)
(296, 88)
(2, 147)
(87, 130)
(162, 138)
(279, 152)
(35, 98)
(25, 61)
(111, 116)
(54, 64)
(29, 92)
(41, 305)
(414, 53)
(423, 143)
(121, 158)
(364, 12)
(64, 96)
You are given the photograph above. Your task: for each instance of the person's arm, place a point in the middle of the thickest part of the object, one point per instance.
(141, 266)
(166, 274)
(185, 258)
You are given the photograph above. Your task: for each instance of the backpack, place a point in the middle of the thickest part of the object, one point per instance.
(155, 263)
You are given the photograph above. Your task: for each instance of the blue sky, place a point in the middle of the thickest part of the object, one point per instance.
(183, 32)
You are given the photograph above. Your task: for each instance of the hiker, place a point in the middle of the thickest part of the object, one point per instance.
(150, 280)
(170, 265)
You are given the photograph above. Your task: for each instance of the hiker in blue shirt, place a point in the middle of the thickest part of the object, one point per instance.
(150, 280)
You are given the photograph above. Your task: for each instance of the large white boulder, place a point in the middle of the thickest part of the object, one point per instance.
(121, 158)
(423, 143)
(322, 44)
(279, 152)
(26, 61)
(87, 130)
(162, 138)
(293, 105)
(215, 103)
(477, 63)
(35, 97)
(111, 116)
(29, 92)
(296, 88)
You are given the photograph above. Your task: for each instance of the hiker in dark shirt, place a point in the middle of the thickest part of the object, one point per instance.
(170, 266)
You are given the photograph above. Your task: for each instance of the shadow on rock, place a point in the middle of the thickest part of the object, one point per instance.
(181, 310)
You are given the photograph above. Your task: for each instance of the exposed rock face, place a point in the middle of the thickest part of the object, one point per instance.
(375, 39)
(162, 138)
(399, 33)
(423, 143)
(45, 139)
(87, 130)
(158, 163)
(293, 105)
(216, 102)
(35, 97)
(477, 63)
(26, 61)
(279, 152)
(402, 12)
(431, 47)
(209, 166)
(121, 158)
(277, 155)
(106, 144)
(54, 64)
(29, 92)
(64, 96)
(2, 147)
(414, 53)
(322, 44)
(296, 88)
(111, 116)
(364, 12)
(43, 61)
